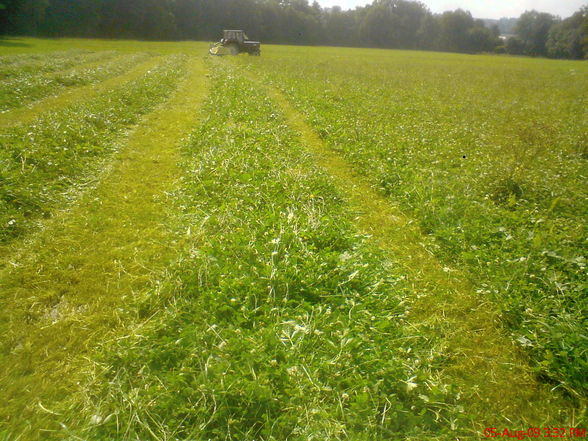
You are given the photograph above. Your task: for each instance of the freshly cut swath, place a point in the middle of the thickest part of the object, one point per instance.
(286, 322)
(18, 91)
(40, 164)
(489, 156)
(18, 65)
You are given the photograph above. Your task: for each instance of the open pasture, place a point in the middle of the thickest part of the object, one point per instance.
(318, 243)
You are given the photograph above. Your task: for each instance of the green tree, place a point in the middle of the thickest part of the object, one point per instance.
(189, 19)
(402, 24)
(6, 14)
(429, 33)
(533, 29)
(584, 11)
(455, 30)
(340, 27)
(565, 39)
(22, 16)
(482, 39)
(156, 20)
(515, 46)
(72, 18)
(585, 28)
(393, 23)
(146, 19)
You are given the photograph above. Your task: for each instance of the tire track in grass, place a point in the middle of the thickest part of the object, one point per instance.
(494, 378)
(25, 115)
(68, 285)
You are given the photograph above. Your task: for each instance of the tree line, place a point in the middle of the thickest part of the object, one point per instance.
(397, 24)
(543, 34)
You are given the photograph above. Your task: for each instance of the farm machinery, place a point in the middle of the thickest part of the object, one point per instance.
(235, 42)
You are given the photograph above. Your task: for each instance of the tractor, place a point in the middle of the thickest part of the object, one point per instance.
(235, 42)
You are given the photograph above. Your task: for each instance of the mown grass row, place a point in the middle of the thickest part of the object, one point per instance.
(282, 322)
(490, 156)
(26, 64)
(43, 164)
(23, 89)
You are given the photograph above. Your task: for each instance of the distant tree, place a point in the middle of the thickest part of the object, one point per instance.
(403, 24)
(393, 23)
(6, 15)
(454, 27)
(298, 22)
(340, 27)
(376, 27)
(188, 19)
(73, 18)
(514, 46)
(23, 17)
(565, 39)
(429, 33)
(156, 20)
(269, 28)
(118, 19)
(504, 25)
(143, 19)
(482, 39)
(316, 24)
(408, 18)
(584, 11)
(533, 29)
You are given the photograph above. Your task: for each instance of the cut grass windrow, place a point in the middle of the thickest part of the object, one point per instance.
(285, 325)
(494, 379)
(488, 155)
(25, 89)
(358, 245)
(42, 165)
(19, 65)
(286, 322)
(75, 281)
(71, 96)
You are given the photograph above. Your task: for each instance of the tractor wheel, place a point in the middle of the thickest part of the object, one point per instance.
(233, 49)
(255, 52)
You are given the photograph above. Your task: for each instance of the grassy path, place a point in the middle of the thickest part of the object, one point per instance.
(27, 114)
(63, 289)
(495, 381)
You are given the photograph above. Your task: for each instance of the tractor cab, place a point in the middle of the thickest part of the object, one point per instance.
(234, 42)
(238, 36)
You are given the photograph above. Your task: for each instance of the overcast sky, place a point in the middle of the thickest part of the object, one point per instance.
(485, 8)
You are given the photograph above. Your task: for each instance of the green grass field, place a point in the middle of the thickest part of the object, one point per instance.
(314, 244)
